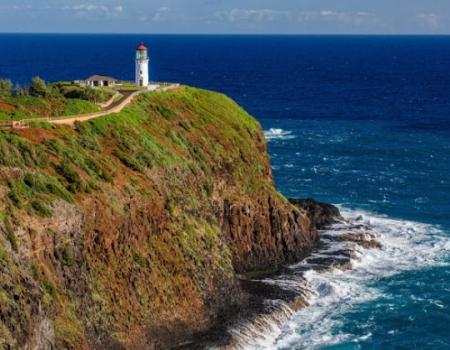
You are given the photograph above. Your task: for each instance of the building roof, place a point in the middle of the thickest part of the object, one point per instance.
(100, 78)
(141, 47)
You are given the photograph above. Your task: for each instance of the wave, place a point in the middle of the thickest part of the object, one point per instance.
(407, 246)
(278, 134)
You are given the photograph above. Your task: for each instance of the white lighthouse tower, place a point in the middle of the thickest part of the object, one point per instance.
(141, 65)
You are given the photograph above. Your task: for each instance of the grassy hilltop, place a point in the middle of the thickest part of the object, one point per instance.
(128, 230)
(151, 133)
(48, 100)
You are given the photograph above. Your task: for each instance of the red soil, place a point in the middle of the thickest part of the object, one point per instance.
(35, 135)
(6, 107)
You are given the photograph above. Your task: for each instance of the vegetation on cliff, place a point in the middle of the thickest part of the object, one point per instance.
(132, 226)
(48, 100)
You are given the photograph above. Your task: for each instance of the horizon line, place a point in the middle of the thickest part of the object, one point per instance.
(226, 34)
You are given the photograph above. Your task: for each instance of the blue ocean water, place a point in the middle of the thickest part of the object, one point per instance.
(363, 122)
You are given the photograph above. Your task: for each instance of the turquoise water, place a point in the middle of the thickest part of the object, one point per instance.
(397, 179)
(381, 166)
(363, 122)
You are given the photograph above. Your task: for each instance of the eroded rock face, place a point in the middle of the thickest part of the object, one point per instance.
(320, 214)
(266, 234)
(133, 233)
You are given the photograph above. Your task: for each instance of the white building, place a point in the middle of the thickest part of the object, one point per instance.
(100, 80)
(142, 76)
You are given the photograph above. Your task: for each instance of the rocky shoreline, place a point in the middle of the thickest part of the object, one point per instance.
(270, 302)
(156, 228)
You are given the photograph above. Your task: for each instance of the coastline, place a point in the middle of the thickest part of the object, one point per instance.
(362, 248)
(270, 302)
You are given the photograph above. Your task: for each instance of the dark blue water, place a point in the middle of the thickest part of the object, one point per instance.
(363, 122)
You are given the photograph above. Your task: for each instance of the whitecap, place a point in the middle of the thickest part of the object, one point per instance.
(407, 245)
(278, 134)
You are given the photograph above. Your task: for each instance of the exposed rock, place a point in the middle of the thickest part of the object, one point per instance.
(129, 232)
(320, 214)
(364, 240)
(266, 234)
(43, 336)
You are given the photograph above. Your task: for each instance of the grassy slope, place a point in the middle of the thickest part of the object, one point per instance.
(175, 150)
(198, 130)
(29, 107)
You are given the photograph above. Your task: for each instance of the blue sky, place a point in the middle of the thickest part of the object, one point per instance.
(227, 16)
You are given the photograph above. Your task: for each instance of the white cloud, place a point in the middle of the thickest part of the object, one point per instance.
(328, 13)
(161, 14)
(20, 7)
(356, 18)
(429, 19)
(88, 8)
(252, 15)
(238, 15)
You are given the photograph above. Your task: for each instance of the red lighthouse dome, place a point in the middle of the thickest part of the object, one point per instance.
(141, 47)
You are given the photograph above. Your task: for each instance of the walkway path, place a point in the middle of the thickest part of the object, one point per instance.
(113, 107)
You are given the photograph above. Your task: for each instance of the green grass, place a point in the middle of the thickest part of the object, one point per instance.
(32, 107)
(129, 86)
(76, 106)
(158, 168)
(199, 131)
(36, 191)
(10, 235)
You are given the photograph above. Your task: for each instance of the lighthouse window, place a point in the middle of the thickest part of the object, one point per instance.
(140, 72)
(141, 55)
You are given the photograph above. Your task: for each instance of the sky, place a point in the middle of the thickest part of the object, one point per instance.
(227, 16)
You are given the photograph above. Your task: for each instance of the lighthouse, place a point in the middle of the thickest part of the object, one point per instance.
(141, 65)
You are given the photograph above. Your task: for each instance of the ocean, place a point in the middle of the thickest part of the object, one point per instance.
(359, 121)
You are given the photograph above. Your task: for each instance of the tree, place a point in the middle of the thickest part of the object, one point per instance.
(5, 88)
(20, 91)
(93, 95)
(38, 87)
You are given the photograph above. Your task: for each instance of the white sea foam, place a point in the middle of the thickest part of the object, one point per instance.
(262, 332)
(278, 134)
(407, 245)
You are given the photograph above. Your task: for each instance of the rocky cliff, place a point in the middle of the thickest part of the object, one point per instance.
(130, 231)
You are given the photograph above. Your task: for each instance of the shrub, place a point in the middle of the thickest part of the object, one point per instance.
(49, 288)
(47, 185)
(88, 138)
(38, 87)
(34, 191)
(41, 209)
(20, 90)
(94, 95)
(68, 256)
(77, 106)
(128, 160)
(66, 170)
(86, 93)
(140, 260)
(18, 192)
(6, 87)
(10, 235)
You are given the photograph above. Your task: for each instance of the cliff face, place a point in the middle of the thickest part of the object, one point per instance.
(129, 231)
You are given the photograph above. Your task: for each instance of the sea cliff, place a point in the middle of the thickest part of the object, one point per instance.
(135, 230)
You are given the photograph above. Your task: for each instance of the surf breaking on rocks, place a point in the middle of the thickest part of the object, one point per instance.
(335, 277)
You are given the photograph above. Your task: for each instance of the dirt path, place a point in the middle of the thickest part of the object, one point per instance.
(114, 107)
